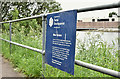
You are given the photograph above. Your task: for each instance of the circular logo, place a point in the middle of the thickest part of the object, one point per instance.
(51, 22)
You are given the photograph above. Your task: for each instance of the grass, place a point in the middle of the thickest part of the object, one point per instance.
(29, 62)
(98, 52)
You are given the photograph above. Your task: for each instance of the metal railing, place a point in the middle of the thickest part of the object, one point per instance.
(77, 62)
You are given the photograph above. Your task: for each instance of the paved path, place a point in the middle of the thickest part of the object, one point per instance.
(6, 69)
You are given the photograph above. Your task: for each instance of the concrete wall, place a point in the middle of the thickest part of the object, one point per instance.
(98, 24)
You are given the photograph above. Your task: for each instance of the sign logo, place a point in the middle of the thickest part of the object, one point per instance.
(51, 22)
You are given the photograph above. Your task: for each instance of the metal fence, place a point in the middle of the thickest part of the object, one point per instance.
(77, 62)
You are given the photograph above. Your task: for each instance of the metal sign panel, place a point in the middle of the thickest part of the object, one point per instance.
(60, 40)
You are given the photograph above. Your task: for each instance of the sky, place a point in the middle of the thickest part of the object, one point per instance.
(78, 4)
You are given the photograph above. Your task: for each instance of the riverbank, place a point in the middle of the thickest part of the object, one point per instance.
(109, 29)
(100, 29)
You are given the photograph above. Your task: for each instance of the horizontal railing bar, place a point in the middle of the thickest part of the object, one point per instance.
(98, 68)
(101, 7)
(24, 46)
(22, 19)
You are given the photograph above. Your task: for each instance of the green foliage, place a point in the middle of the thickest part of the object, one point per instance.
(17, 10)
(14, 13)
(26, 27)
(112, 13)
(98, 52)
(5, 28)
(119, 27)
(24, 60)
(26, 9)
(29, 62)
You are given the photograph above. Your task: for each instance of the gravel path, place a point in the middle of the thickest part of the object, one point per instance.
(6, 69)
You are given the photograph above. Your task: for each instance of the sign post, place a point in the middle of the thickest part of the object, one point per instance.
(60, 40)
(43, 44)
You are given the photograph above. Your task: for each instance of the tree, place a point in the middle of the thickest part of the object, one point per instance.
(27, 9)
(26, 27)
(112, 13)
(17, 10)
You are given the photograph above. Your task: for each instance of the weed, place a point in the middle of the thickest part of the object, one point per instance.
(94, 51)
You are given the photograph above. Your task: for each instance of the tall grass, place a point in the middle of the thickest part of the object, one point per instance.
(94, 51)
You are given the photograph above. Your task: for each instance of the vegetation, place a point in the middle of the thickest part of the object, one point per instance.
(94, 50)
(119, 27)
(29, 62)
(113, 13)
(27, 9)
(17, 10)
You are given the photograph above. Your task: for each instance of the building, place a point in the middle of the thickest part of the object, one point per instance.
(98, 22)
(100, 19)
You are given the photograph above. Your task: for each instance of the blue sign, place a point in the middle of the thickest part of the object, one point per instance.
(60, 40)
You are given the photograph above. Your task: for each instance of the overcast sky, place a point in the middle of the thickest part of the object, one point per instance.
(77, 4)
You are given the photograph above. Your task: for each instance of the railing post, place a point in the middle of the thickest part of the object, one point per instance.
(43, 44)
(10, 35)
(0, 27)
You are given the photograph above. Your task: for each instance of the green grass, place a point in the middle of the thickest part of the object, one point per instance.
(30, 62)
(98, 52)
